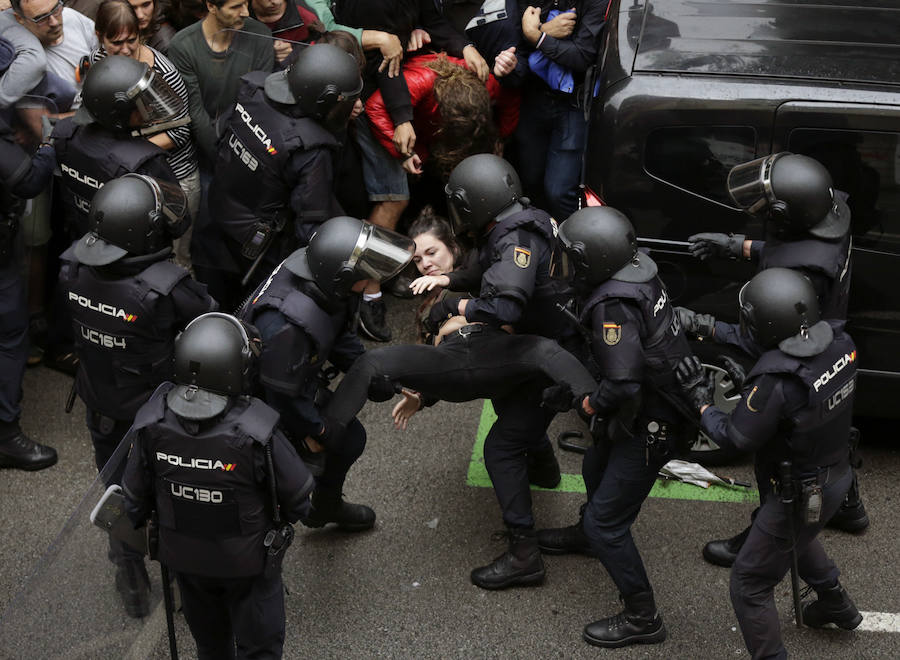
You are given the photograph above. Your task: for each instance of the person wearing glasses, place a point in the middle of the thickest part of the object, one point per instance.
(66, 35)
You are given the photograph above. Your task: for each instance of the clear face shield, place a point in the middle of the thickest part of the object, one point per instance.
(380, 253)
(750, 184)
(171, 205)
(457, 209)
(748, 328)
(154, 100)
(564, 261)
(339, 114)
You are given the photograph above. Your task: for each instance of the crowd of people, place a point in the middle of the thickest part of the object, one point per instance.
(237, 188)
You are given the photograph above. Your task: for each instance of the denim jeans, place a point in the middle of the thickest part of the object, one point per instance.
(550, 140)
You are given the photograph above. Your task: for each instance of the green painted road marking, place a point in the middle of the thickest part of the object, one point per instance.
(574, 483)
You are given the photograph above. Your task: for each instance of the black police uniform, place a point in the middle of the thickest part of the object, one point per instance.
(302, 329)
(91, 155)
(208, 483)
(275, 169)
(125, 317)
(636, 344)
(21, 177)
(798, 409)
(516, 289)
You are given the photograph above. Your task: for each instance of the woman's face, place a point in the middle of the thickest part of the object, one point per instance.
(432, 256)
(127, 44)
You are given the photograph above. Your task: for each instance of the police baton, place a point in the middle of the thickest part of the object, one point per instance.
(787, 498)
(170, 609)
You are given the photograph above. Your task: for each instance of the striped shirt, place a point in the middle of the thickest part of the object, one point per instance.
(182, 157)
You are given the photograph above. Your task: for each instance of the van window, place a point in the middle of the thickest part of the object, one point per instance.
(865, 165)
(698, 158)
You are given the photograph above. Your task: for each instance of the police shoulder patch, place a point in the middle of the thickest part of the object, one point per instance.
(522, 257)
(612, 333)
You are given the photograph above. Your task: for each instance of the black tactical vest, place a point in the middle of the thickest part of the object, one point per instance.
(124, 349)
(817, 434)
(830, 258)
(283, 366)
(253, 157)
(534, 228)
(664, 342)
(213, 510)
(88, 157)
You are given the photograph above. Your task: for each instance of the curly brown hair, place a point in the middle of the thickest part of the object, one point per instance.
(467, 120)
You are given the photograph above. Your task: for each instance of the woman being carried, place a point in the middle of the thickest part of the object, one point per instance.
(461, 361)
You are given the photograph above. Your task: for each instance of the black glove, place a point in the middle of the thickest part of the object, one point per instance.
(735, 371)
(698, 386)
(440, 312)
(710, 244)
(558, 398)
(697, 325)
(382, 389)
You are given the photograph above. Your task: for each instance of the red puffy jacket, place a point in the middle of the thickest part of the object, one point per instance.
(426, 116)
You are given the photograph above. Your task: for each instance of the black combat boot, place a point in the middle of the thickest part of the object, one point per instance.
(851, 516)
(638, 623)
(521, 564)
(724, 552)
(133, 585)
(18, 451)
(543, 468)
(565, 540)
(330, 507)
(833, 606)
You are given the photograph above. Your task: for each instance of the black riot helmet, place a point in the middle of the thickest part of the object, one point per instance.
(345, 250)
(777, 305)
(215, 358)
(793, 191)
(479, 188)
(134, 214)
(597, 243)
(323, 83)
(121, 93)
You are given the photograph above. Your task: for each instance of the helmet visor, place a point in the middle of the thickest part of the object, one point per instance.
(339, 114)
(171, 205)
(154, 99)
(748, 327)
(563, 260)
(750, 184)
(457, 209)
(380, 253)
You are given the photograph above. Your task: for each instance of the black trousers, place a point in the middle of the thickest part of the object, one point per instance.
(234, 618)
(765, 559)
(618, 476)
(511, 370)
(13, 334)
(489, 364)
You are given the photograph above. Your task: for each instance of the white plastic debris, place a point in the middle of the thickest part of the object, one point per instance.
(433, 523)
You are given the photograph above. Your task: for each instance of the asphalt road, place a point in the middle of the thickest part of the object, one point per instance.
(402, 590)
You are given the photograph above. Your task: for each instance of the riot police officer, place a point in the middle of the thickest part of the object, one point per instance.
(274, 175)
(223, 530)
(636, 341)
(512, 276)
(795, 412)
(122, 100)
(808, 230)
(306, 312)
(21, 176)
(127, 301)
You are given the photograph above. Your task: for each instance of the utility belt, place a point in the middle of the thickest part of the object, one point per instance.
(475, 329)
(805, 490)
(662, 440)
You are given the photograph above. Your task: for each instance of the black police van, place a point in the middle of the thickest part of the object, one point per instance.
(690, 89)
